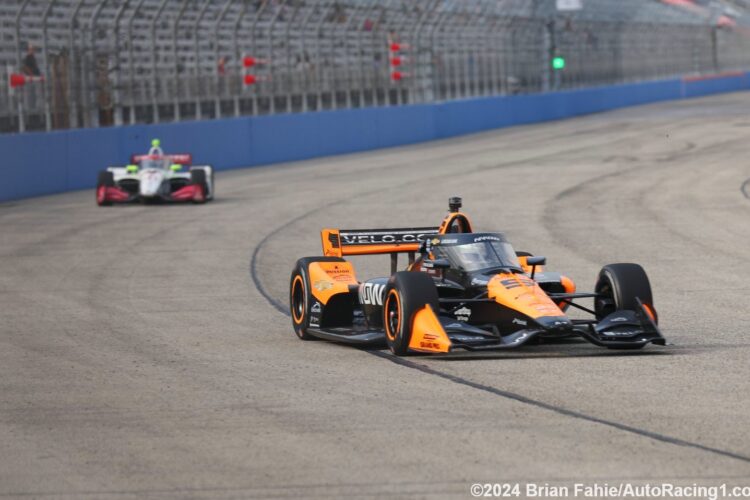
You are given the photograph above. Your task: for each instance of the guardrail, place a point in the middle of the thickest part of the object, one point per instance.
(43, 163)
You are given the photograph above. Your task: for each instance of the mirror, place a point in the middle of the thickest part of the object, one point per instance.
(536, 261)
(436, 264)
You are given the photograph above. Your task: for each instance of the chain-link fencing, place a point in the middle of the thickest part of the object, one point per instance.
(88, 63)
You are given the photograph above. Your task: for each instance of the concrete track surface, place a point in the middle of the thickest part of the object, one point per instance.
(143, 352)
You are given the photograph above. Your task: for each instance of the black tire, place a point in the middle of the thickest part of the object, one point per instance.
(619, 285)
(199, 177)
(213, 186)
(406, 293)
(300, 295)
(105, 179)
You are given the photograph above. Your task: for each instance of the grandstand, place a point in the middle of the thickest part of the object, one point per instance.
(142, 61)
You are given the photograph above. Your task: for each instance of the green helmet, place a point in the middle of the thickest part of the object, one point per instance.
(155, 143)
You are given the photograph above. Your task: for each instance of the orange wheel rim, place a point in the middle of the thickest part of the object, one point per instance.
(392, 320)
(298, 299)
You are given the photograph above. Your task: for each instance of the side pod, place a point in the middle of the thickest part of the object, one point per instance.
(427, 334)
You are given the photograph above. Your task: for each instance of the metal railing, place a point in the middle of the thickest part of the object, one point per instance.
(113, 62)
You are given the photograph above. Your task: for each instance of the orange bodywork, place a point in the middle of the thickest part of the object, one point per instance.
(458, 218)
(330, 278)
(427, 334)
(522, 294)
(569, 287)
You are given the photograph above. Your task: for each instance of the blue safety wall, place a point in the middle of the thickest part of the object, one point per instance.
(42, 163)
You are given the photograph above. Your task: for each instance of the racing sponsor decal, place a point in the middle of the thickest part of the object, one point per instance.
(516, 282)
(386, 237)
(371, 294)
(316, 308)
(619, 319)
(322, 285)
(339, 274)
(429, 341)
(486, 238)
(463, 314)
(621, 333)
(520, 322)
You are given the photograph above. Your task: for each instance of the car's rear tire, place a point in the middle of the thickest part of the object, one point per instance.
(301, 299)
(406, 293)
(198, 178)
(618, 286)
(104, 180)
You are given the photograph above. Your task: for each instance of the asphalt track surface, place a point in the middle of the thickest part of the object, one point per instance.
(146, 352)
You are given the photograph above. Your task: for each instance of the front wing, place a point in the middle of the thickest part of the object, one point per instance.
(435, 334)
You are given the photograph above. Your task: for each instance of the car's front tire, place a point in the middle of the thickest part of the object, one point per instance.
(198, 178)
(104, 180)
(406, 293)
(618, 286)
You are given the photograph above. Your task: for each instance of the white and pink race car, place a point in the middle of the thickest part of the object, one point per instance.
(156, 177)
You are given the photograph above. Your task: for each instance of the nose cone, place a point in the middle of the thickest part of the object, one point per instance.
(559, 324)
(151, 181)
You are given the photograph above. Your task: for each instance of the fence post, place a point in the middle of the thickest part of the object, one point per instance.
(131, 61)
(217, 25)
(385, 53)
(176, 59)
(46, 84)
(352, 21)
(272, 93)
(17, 21)
(154, 72)
(116, 100)
(72, 100)
(254, 48)
(197, 50)
(90, 106)
(238, 55)
(416, 50)
(19, 95)
(437, 76)
(319, 58)
(306, 60)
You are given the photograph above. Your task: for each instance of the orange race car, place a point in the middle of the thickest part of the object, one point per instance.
(460, 290)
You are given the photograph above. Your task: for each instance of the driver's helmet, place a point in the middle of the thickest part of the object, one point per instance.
(155, 148)
(479, 254)
(473, 257)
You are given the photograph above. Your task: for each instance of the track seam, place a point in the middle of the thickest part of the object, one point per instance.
(475, 385)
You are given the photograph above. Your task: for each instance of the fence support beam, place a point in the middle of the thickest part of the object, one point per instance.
(238, 55)
(116, 99)
(218, 80)
(154, 72)
(47, 84)
(90, 104)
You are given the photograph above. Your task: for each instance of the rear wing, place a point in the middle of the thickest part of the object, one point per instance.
(184, 159)
(342, 242)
